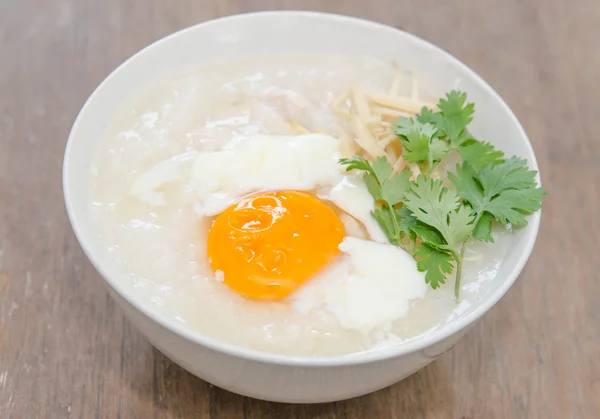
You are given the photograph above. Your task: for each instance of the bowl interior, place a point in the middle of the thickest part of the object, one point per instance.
(287, 32)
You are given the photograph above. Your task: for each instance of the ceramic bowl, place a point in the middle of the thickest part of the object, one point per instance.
(260, 375)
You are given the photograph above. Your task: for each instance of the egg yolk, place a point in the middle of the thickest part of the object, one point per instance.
(269, 243)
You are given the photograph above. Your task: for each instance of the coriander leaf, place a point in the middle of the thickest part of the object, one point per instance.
(512, 174)
(369, 175)
(381, 169)
(464, 137)
(439, 207)
(513, 205)
(466, 184)
(461, 223)
(429, 235)
(456, 115)
(435, 263)
(483, 229)
(403, 126)
(356, 163)
(507, 191)
(452, 119)
(479, 154)
(427, 116)
(406, 223)
(406, 220)
(437, 150)
(389, 188)
(384, 218)
(394, 188)
(422, 146)
(409, 224)
(372, 185)
(416, 147)
(381, 182)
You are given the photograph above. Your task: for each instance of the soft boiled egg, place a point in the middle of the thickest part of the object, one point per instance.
(269, 243)
(281, 204)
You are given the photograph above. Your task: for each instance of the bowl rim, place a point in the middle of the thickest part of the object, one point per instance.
(356, 358)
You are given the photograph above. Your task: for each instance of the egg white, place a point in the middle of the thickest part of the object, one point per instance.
(369, 288)
(264, 162)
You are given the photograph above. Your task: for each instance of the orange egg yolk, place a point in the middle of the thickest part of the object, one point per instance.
(269, 243)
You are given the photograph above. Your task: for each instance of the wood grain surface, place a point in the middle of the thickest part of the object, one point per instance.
(66, 350)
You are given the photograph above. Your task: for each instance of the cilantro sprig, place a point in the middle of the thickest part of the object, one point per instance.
(434, 222)
(388, 189)
(445, 130)
(421, 143)
(506, 192)
(449, 224)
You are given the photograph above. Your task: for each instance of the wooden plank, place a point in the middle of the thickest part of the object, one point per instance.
(67, 351)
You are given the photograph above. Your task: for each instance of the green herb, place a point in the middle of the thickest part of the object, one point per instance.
(431, 221)
(479, 154)
(442, 210)
(435, 263)
(388, 189)
(446, 130)
(454, 116)
(421, 144)
(505, 192)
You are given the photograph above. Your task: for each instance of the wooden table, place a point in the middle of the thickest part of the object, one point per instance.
(65, 348)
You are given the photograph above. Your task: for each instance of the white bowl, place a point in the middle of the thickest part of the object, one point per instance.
(276, 377)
